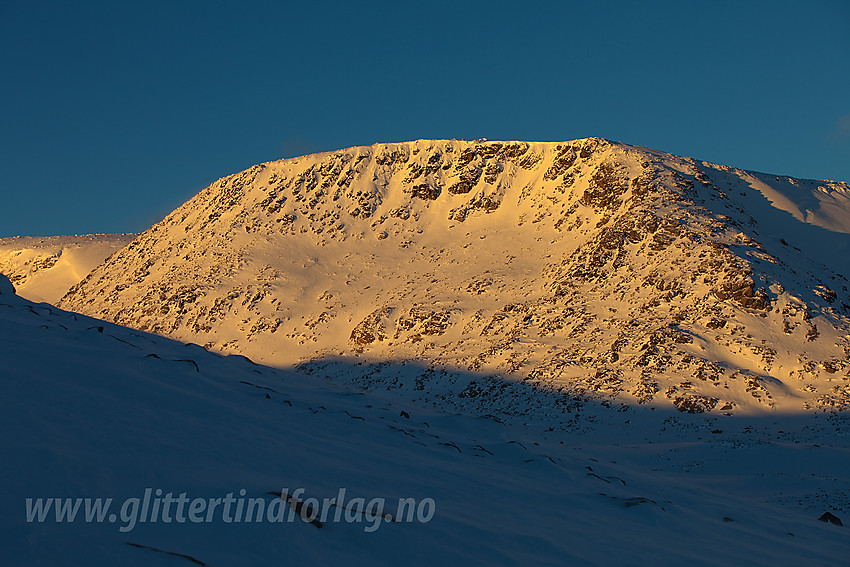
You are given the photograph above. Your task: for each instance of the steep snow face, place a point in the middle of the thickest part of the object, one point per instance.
(92, 410)
(585, 268)
(45, 268)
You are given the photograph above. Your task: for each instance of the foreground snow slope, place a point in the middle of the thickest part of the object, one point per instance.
(43, 268)
(90, 409)
(583, 268)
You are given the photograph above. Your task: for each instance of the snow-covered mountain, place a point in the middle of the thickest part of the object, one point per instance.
(43, 268)
(93, 410)
(586, 268)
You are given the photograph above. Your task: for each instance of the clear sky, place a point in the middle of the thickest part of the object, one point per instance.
(114, 113)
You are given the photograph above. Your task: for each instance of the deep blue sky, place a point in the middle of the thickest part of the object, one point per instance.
(114, 113)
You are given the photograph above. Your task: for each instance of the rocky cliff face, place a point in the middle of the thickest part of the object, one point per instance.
(583, 269)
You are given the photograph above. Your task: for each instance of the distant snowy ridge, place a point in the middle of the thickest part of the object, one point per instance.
(586, 268)
(43, 268)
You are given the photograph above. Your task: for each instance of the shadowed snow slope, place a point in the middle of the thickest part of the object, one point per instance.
(585, 268)
(90, 409)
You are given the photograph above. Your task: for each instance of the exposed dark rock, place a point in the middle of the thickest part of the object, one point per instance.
(370, 329)
(742, 289)
(605, 188)
(423, 321)
(831, 518)
(565, 159)
(695, 404)
(460, 188)
(491, 171)
(425, 191)
(825, 293)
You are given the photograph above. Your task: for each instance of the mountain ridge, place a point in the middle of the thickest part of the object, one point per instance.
(43, 268)
(588, 267)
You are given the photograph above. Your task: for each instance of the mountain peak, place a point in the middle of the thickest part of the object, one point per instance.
(586, 267)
